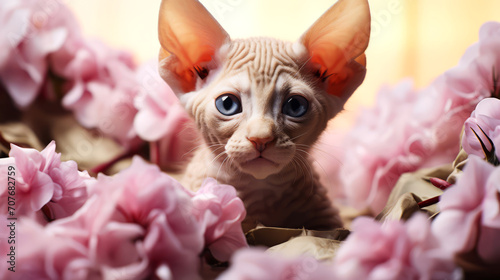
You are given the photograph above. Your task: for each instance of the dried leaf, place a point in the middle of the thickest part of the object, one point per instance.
(418, 185)
(348, 214)
(458, 164)
(322, 249)
(88, 148)
(415, 187)
(20, 134)
(272, 236)
(402, 209)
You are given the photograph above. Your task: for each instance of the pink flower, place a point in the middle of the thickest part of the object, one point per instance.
(137, 224)
(42, 253)
(470, 212)
(393, 250)
(43, 181)
(256, 264)
(376, 151)
(161, 119)
(409, 130)
(220, 212)
(485, 118)
(477, 72)
(102, 89)
(31, 31)
(406, 130)
(39, 37)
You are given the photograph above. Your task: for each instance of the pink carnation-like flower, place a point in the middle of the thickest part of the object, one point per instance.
(477, 72)
(42, 182)
(393, 250)
(31, 31)
(220, 212)
(256, 264)
(486, 118)
(469, 219)
(410, 130)
(39, 37)
(162, 120)
(102, 88)
(42, 253)
(376, 150)
(137, 224)
(399, 135)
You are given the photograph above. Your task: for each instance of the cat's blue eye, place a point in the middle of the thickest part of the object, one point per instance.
(228, 104)
(296, 106)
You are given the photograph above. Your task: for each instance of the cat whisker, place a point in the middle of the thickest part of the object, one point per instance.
(219, 146)
(305, 147)
(201, 146)
(300, 135)
(300, 173)
(294, 165)
(307, 165)
(192, 150)
(320, 166)
(326, 143)
(220, 167)
(301, 164)
(326, 155)
(231, 164)
(218, 156)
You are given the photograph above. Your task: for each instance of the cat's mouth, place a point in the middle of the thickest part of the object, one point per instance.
(261, 160)
(260, 167)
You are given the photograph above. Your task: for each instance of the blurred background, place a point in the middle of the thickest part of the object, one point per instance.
(417, 39)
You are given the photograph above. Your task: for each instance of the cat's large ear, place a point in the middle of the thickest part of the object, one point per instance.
(336, 43)
(189, 37)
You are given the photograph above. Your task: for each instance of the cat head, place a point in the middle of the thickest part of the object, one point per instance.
(260, 103)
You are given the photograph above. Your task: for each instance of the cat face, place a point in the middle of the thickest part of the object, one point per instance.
(261, 106)
(260, 103)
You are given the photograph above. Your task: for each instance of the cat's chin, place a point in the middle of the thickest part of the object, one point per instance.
(260, 168)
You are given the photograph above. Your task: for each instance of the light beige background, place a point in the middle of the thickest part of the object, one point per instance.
(419, 39)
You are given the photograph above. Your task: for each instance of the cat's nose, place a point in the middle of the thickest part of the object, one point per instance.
(260, 144)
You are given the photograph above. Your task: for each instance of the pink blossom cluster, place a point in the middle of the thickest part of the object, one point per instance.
(162, 120)
(257, 264)
(469, 221)
(394, 250)
(101, 88)
(483, 126)
(44, 55)
(468, 224)
(138, 224)
(43, 186)
(408, 130)
(221, 212)
(31, 32)
(391, 250)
